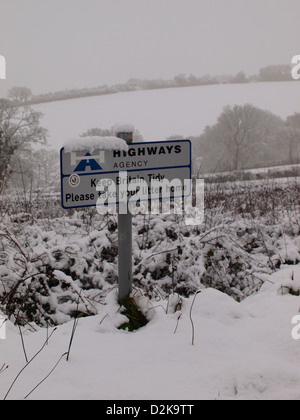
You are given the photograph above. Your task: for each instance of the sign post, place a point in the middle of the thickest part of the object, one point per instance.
(125, 240)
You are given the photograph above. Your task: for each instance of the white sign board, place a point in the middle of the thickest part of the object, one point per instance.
(81, 171)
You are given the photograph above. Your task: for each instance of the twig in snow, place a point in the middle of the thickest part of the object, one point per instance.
(47, 332)
(76, 320)
(3, 368)
(103, 319)
(27, 364)
(178, 319)
(157, 306)
(23, 344)
(46, 377)
(15, 242)
(167, 310)
(162, 252)
(193, 328)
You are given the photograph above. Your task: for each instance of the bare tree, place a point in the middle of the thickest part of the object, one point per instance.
(291, 134)
(19, 129)
(275, 73)
(239, 78)
(20, 94)
(242, 129)
(294, 121)
(36, 170)
(91, 132)
(46, 163)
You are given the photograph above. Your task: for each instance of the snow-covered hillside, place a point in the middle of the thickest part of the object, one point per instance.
(162, 113)
(241, 351)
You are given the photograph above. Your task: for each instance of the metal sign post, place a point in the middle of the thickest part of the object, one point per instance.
(125, 240)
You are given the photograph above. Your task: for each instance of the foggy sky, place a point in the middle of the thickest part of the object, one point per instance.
(51, 45)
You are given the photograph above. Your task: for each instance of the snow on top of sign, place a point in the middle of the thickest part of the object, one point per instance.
(95, 143)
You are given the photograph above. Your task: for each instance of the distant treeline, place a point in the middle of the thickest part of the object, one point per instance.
(277, 73)
(245, 137)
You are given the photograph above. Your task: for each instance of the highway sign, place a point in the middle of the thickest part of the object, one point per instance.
(82, 171)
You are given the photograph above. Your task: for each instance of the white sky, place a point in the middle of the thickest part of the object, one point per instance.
(51, 45)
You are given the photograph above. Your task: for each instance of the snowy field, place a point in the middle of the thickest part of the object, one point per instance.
(159, 114)
(241, 351)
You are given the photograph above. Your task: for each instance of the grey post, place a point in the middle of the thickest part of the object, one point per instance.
(125, 241)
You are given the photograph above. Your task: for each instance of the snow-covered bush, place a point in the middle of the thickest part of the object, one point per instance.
(57, 264)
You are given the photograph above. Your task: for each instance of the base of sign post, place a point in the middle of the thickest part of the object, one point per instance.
(125, 255)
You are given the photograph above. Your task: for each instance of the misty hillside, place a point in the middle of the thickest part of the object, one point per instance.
(159, 114)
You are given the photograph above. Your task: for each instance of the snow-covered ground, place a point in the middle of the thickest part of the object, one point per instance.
(159, 114)
(241, 351)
